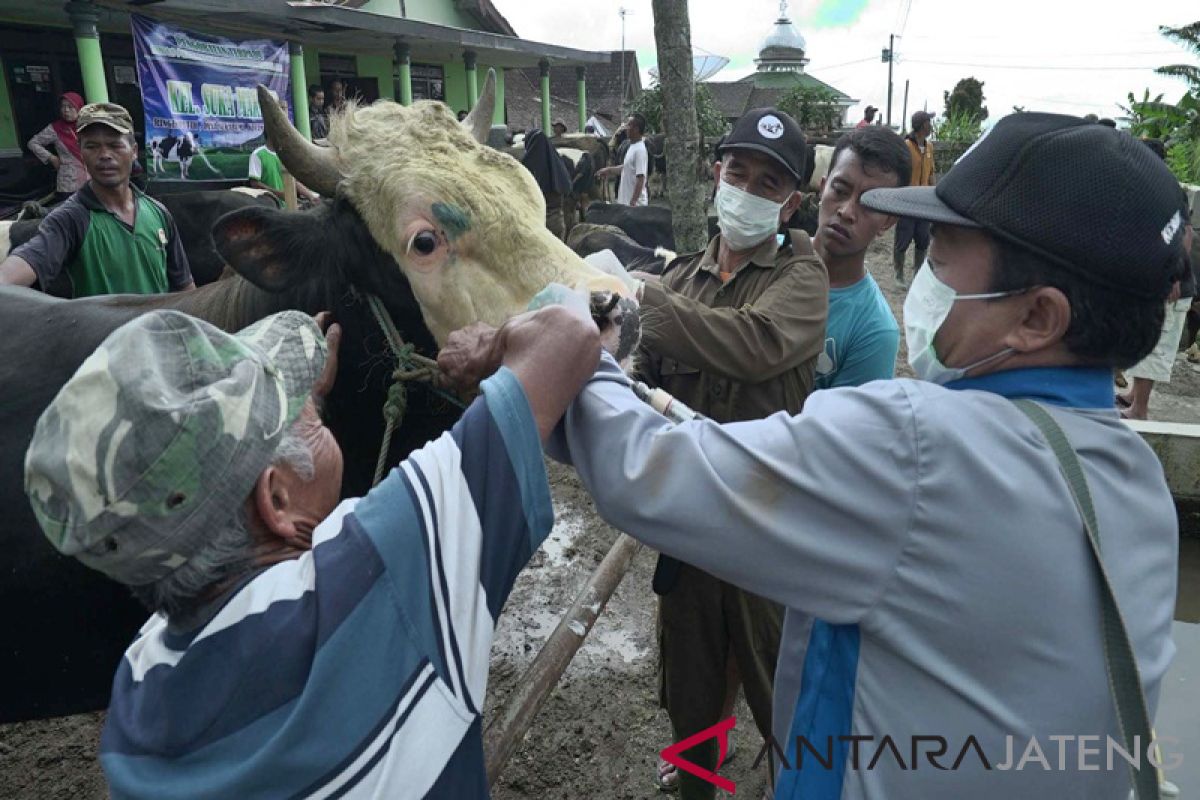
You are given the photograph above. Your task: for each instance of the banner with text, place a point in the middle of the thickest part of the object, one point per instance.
(202, 115)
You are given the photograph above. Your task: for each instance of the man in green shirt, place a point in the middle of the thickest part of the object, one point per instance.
(266, 172)
(107, 238)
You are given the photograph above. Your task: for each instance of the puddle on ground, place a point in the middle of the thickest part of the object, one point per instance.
(568, 525)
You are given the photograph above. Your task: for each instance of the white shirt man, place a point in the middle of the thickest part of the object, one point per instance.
(633, 176)
(634, 168)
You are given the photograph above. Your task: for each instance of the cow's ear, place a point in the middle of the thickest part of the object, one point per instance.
(256, 242)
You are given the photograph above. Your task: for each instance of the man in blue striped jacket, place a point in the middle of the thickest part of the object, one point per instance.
(300, 646)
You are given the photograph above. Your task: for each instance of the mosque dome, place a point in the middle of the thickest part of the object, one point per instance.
(783, 48)
(783, 40)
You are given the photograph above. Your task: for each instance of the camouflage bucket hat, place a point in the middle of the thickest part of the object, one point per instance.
(161, 433)
(109, 114)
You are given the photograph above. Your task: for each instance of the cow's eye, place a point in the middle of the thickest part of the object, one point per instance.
(424, 243)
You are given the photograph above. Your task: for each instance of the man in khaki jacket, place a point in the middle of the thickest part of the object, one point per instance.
(910, 230)
(734, 332)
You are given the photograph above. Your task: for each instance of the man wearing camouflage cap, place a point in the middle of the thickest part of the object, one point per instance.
(299, 646)
(108, 237)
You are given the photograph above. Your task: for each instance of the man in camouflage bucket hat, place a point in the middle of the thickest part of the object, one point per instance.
(161, 432)
(300, 646)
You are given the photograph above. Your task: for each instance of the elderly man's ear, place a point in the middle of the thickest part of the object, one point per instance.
(333, 338)
(273, 500)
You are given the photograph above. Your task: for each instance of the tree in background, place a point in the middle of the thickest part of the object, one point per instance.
(1142, 121)
(1178, 124)
(966, 98)
(813, 107)
(686, 193)
(708, 117)
(1189, 37)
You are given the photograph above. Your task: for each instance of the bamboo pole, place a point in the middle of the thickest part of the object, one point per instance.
(507, 729)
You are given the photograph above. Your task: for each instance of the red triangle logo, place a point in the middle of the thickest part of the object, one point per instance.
(721, 730)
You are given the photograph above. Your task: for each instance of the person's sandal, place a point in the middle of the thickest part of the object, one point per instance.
(666, 777)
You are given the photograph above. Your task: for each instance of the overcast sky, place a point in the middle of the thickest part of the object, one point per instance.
(1068, 56)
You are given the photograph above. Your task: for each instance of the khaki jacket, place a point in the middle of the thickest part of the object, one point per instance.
(922, 163)
(738, 350)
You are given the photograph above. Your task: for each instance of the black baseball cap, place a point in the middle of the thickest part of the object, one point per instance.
(769, 131)
(1093, 200)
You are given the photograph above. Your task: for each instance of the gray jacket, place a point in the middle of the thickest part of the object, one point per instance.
(936, 573)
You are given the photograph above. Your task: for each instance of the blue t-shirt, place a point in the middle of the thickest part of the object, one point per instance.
(358, 669)
(861, 337)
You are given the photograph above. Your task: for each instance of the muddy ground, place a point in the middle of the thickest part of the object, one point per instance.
(600, 732)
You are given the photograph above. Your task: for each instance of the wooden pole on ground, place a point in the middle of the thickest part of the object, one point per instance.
(289, 192)
(508, 727)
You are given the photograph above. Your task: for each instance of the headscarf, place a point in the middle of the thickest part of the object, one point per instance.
(66, 130)
(545, 164)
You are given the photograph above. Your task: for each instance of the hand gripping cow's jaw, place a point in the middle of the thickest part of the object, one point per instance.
(464, 222)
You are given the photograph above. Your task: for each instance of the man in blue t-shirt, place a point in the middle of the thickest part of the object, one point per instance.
(861, 337)
(299, 646)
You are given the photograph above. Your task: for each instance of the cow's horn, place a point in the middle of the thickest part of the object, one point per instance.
(312, 165)
(479, 121)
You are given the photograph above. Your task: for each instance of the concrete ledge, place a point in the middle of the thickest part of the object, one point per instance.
(1177, 446)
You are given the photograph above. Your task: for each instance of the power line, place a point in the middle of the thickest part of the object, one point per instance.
(1087, 67)
(904, 24)
(846, 63)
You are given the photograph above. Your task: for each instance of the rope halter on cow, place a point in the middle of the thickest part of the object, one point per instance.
(412, 366)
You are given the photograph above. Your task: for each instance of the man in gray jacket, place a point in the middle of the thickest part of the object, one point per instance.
(949, 632)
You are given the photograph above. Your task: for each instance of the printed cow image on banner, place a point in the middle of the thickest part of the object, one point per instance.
(202, 115)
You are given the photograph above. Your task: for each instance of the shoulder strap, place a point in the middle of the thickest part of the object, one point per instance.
(1124, 681)
(801, 244)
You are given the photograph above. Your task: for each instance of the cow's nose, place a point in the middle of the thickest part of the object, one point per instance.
(628, 322)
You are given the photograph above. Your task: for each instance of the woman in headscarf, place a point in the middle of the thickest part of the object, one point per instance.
(66, 159)
(547, 168)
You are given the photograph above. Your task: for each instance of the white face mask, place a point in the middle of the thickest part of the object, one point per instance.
(746, 220)
(926, 307)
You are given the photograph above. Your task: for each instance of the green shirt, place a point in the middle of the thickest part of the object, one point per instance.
(86, 243)
(266, 167)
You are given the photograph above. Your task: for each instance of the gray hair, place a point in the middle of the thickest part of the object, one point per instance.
(228, 551)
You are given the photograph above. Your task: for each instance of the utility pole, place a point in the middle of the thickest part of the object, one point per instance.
(904, 113)
(623, 13)
(889, 55)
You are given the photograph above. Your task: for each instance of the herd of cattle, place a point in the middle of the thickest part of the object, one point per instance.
(392, 176)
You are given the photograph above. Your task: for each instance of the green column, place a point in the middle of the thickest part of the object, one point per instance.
(402, 58)
(581, 88)
(84, 15)
(469, 60)
(499, 118)
(299, 89)
(544, 66)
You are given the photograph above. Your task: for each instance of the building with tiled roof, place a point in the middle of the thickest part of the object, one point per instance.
(780, 69)
(606, 97)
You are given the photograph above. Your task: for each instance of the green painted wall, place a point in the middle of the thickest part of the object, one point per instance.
(380, 68)
(456, 86)
(312, 65)
(8, 126)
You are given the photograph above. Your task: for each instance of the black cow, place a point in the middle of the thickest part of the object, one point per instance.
(195, 213)
(586, 239)
(649, 226)
(66, 626)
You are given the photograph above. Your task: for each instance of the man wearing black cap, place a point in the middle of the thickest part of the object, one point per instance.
(734, 332)
(868, 117)
(980, 564)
